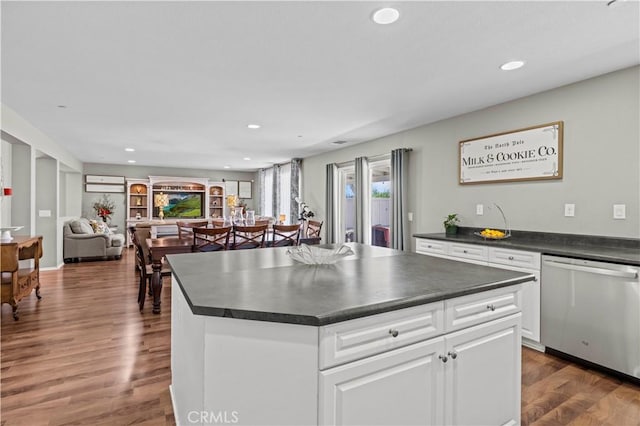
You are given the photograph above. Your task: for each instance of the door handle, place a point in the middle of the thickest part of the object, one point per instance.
(592, 269)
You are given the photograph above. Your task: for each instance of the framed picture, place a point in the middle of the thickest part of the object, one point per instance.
(96, 187)
(532, 153)
(114, 180)
(231, 187)
(245, 189)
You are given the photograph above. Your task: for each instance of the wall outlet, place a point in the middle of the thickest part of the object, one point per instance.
(479, 209)
(569, 210)
(44, 213)
(619, 211)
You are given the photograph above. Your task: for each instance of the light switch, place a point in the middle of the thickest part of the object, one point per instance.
(479, 209)
(44, 213)
(619, 211)
(410, 216)
(569, 210)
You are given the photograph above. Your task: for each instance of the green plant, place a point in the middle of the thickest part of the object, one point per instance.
(451, 220)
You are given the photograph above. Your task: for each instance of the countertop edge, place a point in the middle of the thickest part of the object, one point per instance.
(578, 251)
(346, 314)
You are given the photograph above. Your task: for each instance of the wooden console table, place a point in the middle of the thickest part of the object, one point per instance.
(16, 282)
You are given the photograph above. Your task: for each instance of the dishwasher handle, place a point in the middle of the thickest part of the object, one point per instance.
(592, 269)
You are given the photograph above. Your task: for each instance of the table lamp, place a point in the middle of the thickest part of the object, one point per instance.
(161, 200)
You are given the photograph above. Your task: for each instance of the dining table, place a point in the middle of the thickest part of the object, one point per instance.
(158, 249)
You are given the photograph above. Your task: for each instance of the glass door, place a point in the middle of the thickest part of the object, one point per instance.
(380, 203)
(346, 204)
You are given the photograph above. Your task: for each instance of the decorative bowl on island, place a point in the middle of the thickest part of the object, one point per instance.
(313, 255)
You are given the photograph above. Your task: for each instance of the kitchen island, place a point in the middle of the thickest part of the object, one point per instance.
(381, 337)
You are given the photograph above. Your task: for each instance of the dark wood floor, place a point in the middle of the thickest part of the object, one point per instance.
(85, 355)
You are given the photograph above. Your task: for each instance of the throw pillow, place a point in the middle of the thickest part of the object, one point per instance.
(99, 227)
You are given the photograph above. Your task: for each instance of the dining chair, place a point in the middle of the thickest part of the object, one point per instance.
(313, 229)
(249, 237)
(285, 235)
(261, 222)
(211, 239)
(144, 259)
(185, 229)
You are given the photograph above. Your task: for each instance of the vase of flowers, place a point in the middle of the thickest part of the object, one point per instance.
(104, 208)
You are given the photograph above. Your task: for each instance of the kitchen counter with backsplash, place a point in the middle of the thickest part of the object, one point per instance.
(605, 249)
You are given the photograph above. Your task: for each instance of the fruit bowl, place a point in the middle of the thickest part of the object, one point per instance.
(493, 234)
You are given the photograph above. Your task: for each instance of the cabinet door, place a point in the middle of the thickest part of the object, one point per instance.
(530, 303)
(482, 383)
(400, 387)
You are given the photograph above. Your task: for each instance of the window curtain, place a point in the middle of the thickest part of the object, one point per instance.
(275, 198)
(362, 201)
(294, 210)
(399, 185)
(261, 192)
(331, 208)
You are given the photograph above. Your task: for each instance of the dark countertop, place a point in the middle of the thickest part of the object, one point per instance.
(266, 285)
(604, 249)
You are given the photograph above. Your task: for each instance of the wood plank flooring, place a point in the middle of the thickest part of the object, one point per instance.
(85, 355)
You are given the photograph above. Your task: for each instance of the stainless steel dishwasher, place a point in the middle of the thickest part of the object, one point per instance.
(591, 310)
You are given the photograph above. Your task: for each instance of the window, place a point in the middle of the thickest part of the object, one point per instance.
(285, 194)
(380, 203)
(346, 204)
(267, 202)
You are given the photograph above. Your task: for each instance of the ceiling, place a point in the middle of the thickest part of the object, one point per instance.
(180, 81)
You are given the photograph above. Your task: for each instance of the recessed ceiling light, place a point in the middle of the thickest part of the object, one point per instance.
(247, 159)
(129, 149)
(131, 161)
(386, 15)
(226, 167)
(512, 65)
(253, 126)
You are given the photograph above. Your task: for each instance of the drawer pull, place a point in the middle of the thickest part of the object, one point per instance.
(393, 332)
(443, 358)
(453, 354)
(493, 308)
(464, 251)
(428, 245)
(511, 257)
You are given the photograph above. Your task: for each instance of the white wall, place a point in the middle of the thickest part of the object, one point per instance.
(5, 202)
(601, 163)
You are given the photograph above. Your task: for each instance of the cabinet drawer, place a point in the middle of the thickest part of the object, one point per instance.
(469, 251)
(431, 246)
(473, 309)
(517, 258)
(359, 338)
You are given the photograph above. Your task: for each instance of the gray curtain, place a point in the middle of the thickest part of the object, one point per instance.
(363, 229)
(331, 207)
(296, 166)
(399, 183)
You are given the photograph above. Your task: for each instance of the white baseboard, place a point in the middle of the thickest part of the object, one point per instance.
(173, 405)
(533, 345)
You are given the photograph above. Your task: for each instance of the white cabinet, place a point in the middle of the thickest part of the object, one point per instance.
(504, 258)
(401, 387)
(482, 380)
(470, 375)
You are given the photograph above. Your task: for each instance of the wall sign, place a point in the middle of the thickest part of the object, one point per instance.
(532, 153)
